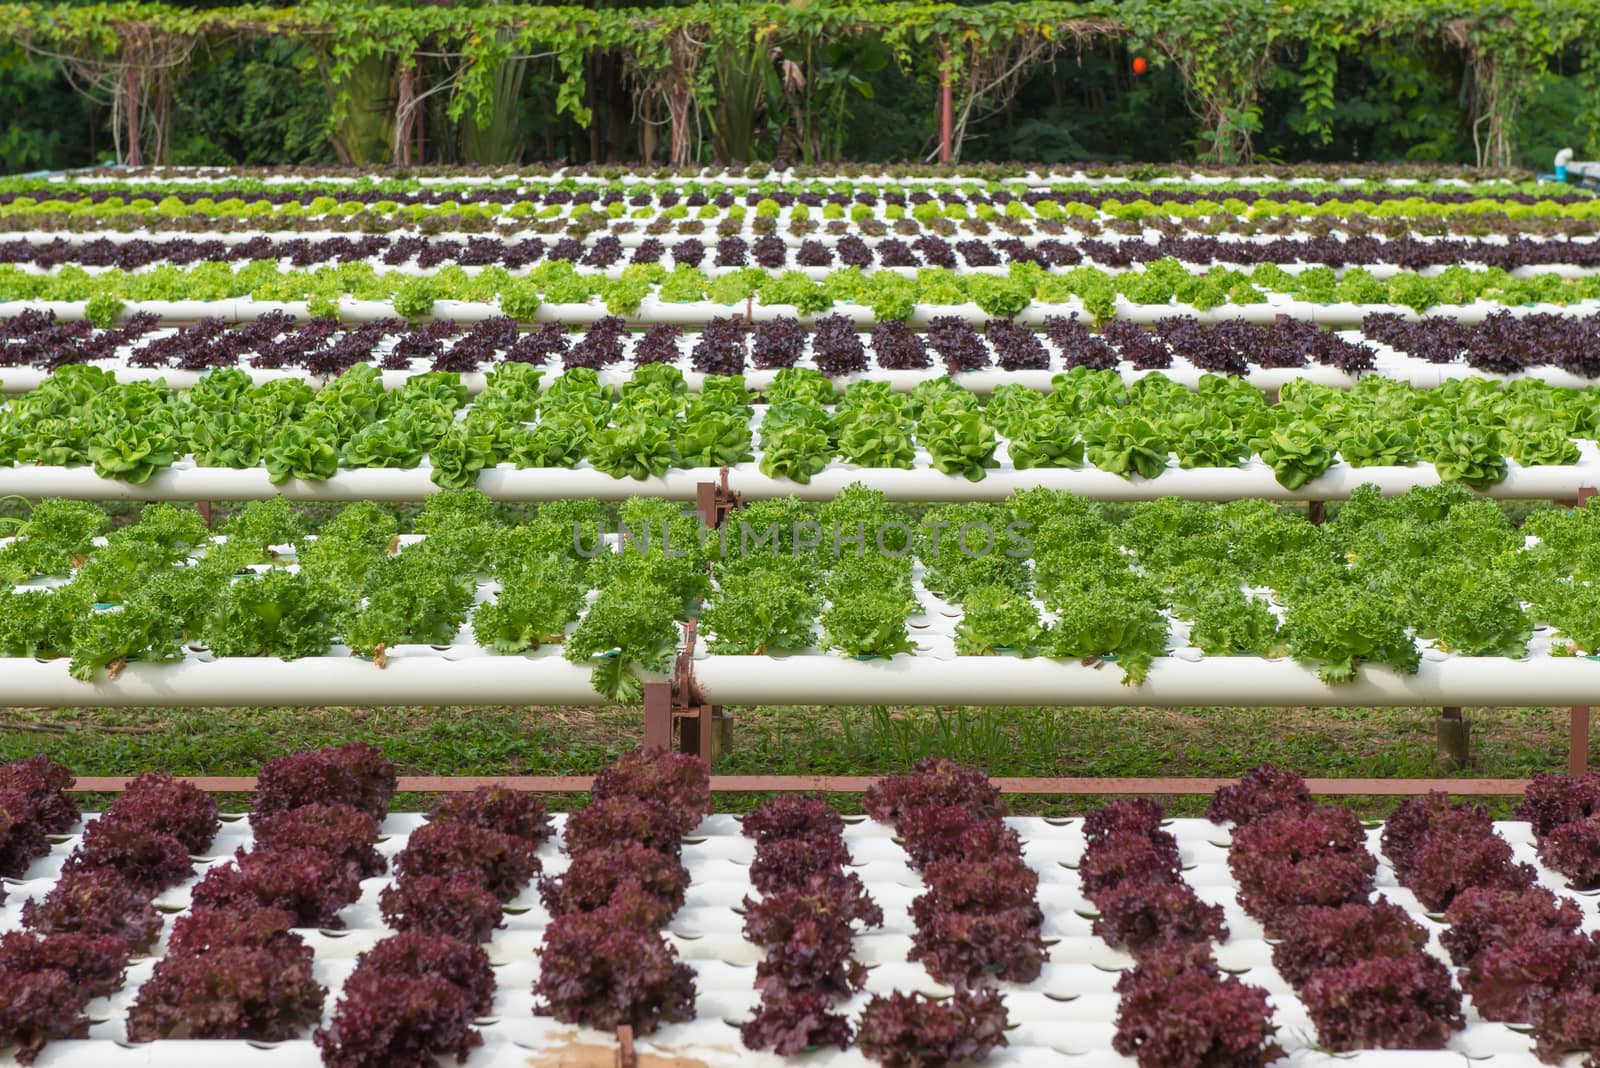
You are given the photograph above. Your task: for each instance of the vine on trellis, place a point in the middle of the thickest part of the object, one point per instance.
(130, 54)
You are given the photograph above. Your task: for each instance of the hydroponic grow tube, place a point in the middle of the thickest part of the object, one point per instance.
(814, 678)
(1253, 479)
(1063, 1018)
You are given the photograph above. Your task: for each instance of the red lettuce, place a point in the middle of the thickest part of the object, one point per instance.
(1177, 1012)
(794, 1024)
(792, 816)
(611, 821)
(383, 1021)
(498, 808)
(97, 901)
(1264, 791)
(1140, 916)
(1481, 917)
(593, 879)
(595, 972)
(1128, 856)
(678, 782)
(501, 863)
(165, 805)
(36, 1007)
(340, 831)
(95, 963)
(227, 992)
(915, 1031)
(355, 774)
(22, 837)
(307, 883)
(45, 783)
(457, 907)
(934, 781)
(791, 861)
(148, 859)
(1384, 1003)
(1324, 937)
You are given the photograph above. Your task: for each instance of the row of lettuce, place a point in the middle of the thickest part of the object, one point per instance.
(726, 251)
(235, 963)
(1044, 574)
(710, 203)
(1466, 428)
(888, 294)
(1501, 344)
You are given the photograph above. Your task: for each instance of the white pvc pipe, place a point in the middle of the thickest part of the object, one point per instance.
(698, 313)
(809, 679)
(1252, 480)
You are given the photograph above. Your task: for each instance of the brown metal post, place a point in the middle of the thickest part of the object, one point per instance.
(626, 1058)
(1317, 512)
(946, 111)
(132, 79)
(1578, 740)
(204, 508)
(657, 715)
(1452, 738)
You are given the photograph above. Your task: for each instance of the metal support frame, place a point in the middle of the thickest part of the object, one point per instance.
(676, 706)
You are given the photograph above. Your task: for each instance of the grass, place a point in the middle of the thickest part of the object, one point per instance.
(1038, 742)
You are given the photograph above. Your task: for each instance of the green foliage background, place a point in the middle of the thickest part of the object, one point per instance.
(1324, 80)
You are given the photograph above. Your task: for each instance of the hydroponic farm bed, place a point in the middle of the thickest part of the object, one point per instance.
(1083, 923)
(897, 400)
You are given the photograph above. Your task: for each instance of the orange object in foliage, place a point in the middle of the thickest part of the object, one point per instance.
(1139, 65)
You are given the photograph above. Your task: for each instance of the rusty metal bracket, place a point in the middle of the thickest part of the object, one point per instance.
(626, 1057)
(677, 706)
(714, 500)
